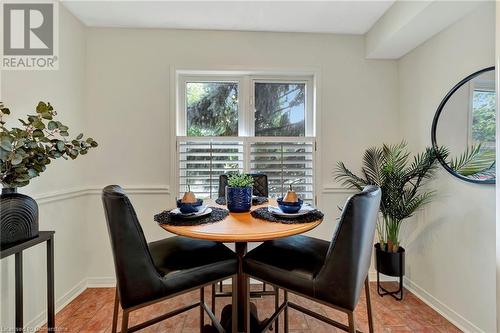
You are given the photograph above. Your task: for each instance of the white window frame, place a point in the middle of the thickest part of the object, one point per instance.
(246, 114)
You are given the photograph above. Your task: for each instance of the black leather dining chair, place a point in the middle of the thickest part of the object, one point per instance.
(331, 273)
(260, 185)
(149, 273)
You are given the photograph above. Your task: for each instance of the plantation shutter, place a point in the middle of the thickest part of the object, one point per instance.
(285, 162)
(202, 161)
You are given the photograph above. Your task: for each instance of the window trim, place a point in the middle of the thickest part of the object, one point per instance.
(178, 70)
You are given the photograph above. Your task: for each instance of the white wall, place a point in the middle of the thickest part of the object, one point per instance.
(451, 250)
(129, 109)
(21, 91)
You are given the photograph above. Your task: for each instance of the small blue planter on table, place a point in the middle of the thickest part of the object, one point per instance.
(239, 199)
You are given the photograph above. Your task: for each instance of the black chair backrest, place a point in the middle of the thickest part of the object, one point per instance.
(260, 185)
(349, 255)
(137, 278)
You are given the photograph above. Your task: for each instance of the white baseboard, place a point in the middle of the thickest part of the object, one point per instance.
(372, 276)
(438, 306)
(61, 302)
(64, 300)
(101, 282)
(441, 308)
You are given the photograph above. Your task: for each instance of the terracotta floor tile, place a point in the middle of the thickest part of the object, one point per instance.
(92, 312)
(398, 329)
(317, 326)
(296, 320)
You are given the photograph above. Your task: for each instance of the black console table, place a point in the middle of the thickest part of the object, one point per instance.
(17, 250)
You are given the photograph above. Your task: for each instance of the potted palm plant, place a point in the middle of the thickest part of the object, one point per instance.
(25, 152)
(401, 181)
(239, 192)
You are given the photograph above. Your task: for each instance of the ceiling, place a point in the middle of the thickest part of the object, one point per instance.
(342, 17)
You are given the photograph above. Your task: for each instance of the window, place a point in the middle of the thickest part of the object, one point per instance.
(255, 124)
(483, 125)
(280, 109)
(212, 108)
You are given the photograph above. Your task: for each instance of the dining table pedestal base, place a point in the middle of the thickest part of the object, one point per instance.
(255, 324)
(242, 286)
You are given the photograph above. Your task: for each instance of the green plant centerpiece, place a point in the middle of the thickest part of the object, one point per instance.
(25, 152)
(239, 192)
(401, 181)
(240, 180)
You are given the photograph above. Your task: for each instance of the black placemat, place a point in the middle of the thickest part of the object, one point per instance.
(255, 201)
(165, 217)
(263, 214)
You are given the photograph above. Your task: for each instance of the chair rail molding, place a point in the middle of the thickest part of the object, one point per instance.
(333, 188)
(70, 193)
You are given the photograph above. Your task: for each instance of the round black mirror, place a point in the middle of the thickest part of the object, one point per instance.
(464, 124)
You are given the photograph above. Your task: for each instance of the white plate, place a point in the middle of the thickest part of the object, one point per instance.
(204, 210)
(306, 208)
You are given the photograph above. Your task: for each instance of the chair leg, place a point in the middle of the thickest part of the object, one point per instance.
(352, 323)
(276, 305)
(202, 311)
(115, 313)
(213, 298)
(124, 322)
(234, 305)
(369, 305)
(246, 304)
(285, 319)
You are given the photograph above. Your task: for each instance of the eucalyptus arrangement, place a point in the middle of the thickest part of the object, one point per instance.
(25, 151)
(239, 192)
(401, 181)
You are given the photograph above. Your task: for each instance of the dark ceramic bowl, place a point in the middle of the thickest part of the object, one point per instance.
(187, 208)
(289, 207)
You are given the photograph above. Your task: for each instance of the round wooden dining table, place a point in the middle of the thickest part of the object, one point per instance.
(241, 228)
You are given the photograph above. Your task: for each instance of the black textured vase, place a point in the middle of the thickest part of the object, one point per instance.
(18, 217)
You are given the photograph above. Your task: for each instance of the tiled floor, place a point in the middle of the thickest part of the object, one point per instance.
(92, 312)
